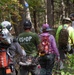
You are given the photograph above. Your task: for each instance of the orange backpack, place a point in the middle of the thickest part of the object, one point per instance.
(3, 58)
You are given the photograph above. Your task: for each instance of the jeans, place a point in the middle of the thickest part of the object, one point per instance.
(47, 64)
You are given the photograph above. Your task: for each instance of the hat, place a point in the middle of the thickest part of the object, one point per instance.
(67, 19)
(46, 27)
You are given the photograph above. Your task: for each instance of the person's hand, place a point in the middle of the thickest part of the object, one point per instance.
(58, 58)
(38, 66)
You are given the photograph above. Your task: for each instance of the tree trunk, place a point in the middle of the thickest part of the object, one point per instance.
(63, 9)
(35, 22)
(52, 2)
(67, 8)
(50, 12)
(13, 17)
(22, 13)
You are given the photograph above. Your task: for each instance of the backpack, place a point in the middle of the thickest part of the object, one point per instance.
(45, 42)
(63, 38)
(3, 52)
(4, 61)
(3, 58)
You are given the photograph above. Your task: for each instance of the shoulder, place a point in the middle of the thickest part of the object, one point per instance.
(35, 35)
(60, 26)
(21, 34)
(45, 34)
(70, 28)
(51, 37)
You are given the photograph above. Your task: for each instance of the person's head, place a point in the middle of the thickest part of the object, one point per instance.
(6, 32)
(72, 16)
(66, 20)
(7, 24)
(46, 28)
(27, 25)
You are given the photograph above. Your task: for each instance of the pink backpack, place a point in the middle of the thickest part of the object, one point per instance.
(46, 42)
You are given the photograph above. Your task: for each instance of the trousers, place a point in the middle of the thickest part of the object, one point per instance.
(25, 70)
(47, 64)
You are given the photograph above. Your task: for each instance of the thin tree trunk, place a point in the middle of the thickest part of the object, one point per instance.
(22, 13)
(50, 12)
(63, 8)
(15, 26)
(52, 2)
(35, 22)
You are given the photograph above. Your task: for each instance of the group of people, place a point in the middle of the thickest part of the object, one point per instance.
(32, 49)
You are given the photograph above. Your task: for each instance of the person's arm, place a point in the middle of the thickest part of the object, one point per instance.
(72, 36)
(38, 42)
(19, 49)
(57, 33)
(53, 45)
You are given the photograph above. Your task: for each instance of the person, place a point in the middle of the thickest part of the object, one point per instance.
(72, 19)
(66, 23)
(11, 47)
(49, 53)
(31, 43)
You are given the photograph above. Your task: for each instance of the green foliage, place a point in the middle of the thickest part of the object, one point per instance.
(9, 8)
(37, 5)
(68, 66)
(71, 61)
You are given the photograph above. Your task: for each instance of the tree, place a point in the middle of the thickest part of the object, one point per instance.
(22, 13)
(41, 11)
(36, 8)
(50, 12)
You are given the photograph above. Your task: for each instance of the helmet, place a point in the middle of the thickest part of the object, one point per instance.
(45, 27)
(72, 15)
(7, 37)
(6, 24)
(27, 24)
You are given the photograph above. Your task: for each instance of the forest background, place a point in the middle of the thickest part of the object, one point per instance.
(38, 12)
